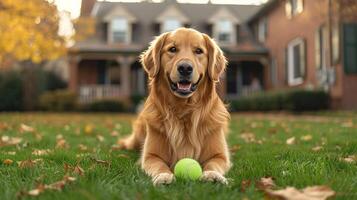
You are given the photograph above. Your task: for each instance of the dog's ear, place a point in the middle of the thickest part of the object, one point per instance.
(217, 62)
(150, 59)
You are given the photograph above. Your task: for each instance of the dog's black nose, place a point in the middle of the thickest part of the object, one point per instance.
(185, 69)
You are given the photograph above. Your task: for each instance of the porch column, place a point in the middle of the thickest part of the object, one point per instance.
(125, 63)
(73, 72)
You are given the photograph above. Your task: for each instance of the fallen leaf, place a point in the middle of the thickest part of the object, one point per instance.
(347, 124)
(100, 138)
(114, 133)
(41, 152)
(306, 138)
(10, 153)
(82, 147)
(101, 161)
(309, 193)
(26, 164)
(26, 128)
(8, 161)
(244, 185)
(78, 170)
(61, 143)
(8, 141)
(290, 141)
(88, 129)
(317, 148)
(234, 148)
(248, 137)
(265, 183)
(350, 159)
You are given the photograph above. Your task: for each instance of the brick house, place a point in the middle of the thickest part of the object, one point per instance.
(281, 45)
(312, 44)
(106, 65)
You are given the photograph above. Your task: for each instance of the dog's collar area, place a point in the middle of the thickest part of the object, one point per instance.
(183, 88)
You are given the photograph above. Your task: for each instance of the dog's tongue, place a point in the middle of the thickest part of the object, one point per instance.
(183, 86)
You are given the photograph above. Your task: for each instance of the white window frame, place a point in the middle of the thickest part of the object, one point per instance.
(263, 29)
(290, 12)
(128, 31)
(216, 33)
(291, 76)
(170, 19)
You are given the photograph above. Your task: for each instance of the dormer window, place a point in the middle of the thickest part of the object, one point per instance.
(170, 25)
(120, 32)
(224, 31)
(294, 7)
(263, 29)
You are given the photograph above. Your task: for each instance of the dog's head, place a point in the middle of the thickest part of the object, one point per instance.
(184, 58)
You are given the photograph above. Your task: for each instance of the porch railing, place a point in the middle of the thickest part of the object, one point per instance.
(90, 93)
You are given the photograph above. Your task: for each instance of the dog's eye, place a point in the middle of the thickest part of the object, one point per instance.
(173, 49)
(199, 51)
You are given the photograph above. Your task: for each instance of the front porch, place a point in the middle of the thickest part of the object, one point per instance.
(98, 78)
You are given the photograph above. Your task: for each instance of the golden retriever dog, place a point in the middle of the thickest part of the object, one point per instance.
(183, 116)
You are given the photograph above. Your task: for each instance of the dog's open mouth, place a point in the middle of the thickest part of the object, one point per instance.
(184, 87)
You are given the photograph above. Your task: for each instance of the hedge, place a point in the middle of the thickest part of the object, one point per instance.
(292, 100)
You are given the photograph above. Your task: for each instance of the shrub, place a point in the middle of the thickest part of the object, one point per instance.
(107, 105)
(11, 92)
(58, 100)
(293, 100)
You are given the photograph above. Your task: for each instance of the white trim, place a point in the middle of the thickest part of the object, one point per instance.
(233, 37)
(291, 79)
(262, 29)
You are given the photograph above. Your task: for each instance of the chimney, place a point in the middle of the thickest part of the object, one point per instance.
(87, 6)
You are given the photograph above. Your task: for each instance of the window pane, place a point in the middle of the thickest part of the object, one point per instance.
(225, 26)
(119, 36)
(224, 37)
(170, 25)
(119, 24)
(297, 61)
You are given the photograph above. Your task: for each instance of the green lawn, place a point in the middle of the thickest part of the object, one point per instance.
(258, 144)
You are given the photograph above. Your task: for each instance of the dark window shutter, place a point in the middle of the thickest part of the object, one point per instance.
(350, 48)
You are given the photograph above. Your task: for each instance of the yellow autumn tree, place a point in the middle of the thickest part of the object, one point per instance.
(29, 31)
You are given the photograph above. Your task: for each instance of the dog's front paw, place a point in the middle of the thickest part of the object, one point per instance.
(163, 179)
(213, 176)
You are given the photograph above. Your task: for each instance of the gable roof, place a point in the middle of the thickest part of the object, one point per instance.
(268, 6)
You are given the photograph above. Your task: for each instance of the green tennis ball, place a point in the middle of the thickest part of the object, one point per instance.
(188, 169)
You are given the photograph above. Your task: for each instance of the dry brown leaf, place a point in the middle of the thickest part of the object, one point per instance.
(103, 162)
(306, 138)
(350, 159)
(82, 147)
(114, 133)
(8, 161)
(347, 124)
(290, 141)
(248, 137)
(26, 164)
(317, 148)
(265, 183)
(8, 141)
(309, 193)
(234, 148)
(10, 153)
(61, 143)
(78, 170)
(25, 128)
(244, 185)
(100, 138)
(41, 152)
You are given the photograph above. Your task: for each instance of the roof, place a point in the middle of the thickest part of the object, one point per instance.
(145, 27)
(263, 10)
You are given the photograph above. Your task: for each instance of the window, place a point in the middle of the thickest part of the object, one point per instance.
(170, 25)
(350, 48)
(224, 31)
(296, 61)
(120, 31)
(262, 29)
(320, 47)
(113, 75)
(293, 7)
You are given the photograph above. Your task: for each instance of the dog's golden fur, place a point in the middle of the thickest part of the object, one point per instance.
(169, 127)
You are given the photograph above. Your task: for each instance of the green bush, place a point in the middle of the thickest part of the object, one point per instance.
(292, 100)
(58, 100)
(107, 105)
(11, 92)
